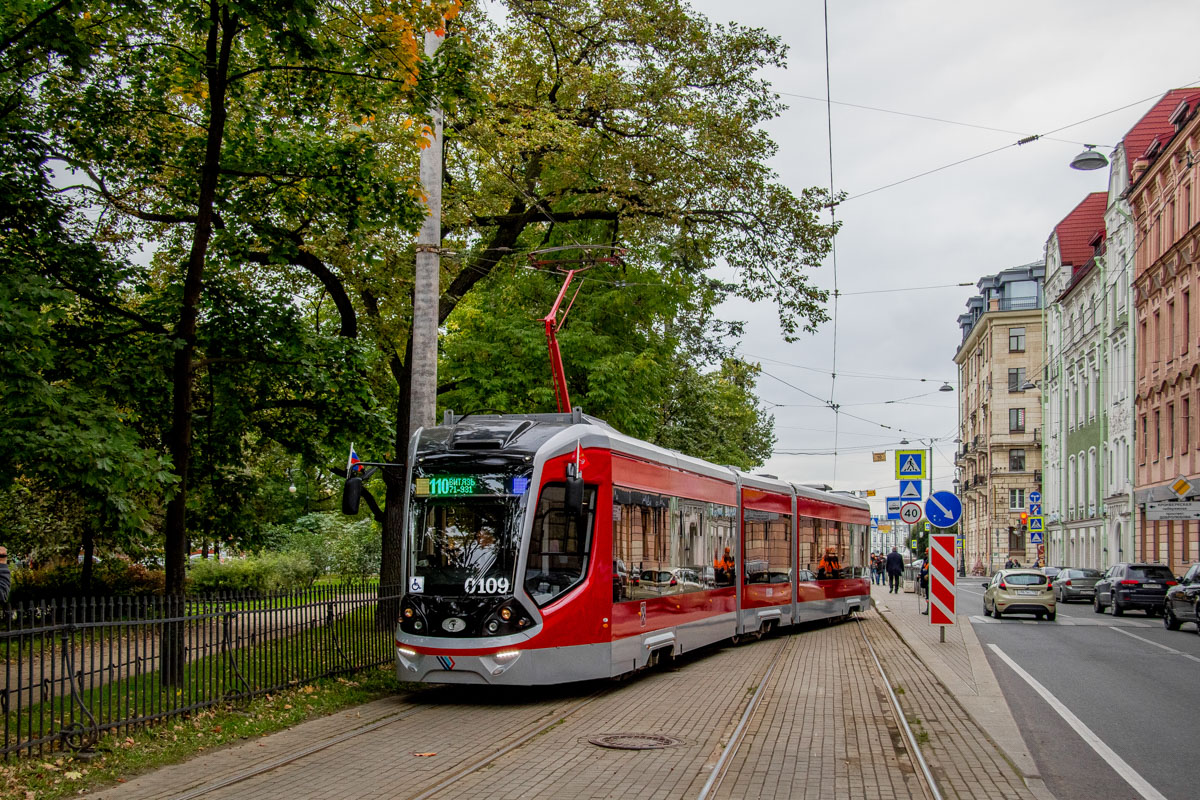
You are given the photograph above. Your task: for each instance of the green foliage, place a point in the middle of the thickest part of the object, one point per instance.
(333, 543)
(110, 578)
(634, 352)
(261, 574)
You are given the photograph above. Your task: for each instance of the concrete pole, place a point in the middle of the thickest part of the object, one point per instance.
(426, 285)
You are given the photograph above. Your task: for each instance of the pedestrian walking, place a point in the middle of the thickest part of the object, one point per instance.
(895, 568)
(5, 576)
(923, 585)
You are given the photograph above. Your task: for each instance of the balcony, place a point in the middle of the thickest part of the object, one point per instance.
(1016, 304)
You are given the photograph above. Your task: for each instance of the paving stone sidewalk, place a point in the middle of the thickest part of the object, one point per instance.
(958, 663)
(824, 728)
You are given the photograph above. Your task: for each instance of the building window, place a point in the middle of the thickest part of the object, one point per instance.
(1016, 379)
(1016, 460)
(1157, 435)
(1186, 426)
(1170, 329)
(1187, 321)
(1170, 429)
(1016, 420)
(1016, 340)
(1016, 499)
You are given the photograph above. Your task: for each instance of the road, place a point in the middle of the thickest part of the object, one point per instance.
(1127, 689)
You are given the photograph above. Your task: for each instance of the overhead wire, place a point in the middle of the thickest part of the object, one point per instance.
(1023, 141)
(832, 246)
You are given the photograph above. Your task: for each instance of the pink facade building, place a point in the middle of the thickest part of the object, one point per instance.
(1164, 196)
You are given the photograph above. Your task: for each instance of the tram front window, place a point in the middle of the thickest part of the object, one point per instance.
(466, 546)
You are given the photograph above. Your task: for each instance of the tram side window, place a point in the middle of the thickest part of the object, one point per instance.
(641, 540)
(559, 544)
(831, 544)
(856, 551)
(807, 529)
(768, 537)
(719, 540)
(662, 545)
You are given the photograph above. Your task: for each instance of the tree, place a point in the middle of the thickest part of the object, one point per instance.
(634, 349)
(623, 122)
(233, 142)
(74, 459)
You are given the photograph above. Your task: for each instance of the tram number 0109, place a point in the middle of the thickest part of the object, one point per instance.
(486, 586)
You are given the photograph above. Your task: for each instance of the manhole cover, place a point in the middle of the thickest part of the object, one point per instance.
(634, 741)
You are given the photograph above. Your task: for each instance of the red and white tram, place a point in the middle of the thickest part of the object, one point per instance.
(550, 548)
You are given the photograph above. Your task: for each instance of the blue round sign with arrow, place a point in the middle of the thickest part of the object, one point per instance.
(943, 509)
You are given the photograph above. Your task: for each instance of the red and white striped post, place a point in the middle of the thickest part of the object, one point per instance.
(943, 562)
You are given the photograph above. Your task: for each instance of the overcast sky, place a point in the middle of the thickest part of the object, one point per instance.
(1020, 66)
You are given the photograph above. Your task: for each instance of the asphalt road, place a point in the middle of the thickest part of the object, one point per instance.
(1130, 684)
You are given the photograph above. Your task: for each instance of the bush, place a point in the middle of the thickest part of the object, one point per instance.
(335, 543)
(109, 578)
(263, 574)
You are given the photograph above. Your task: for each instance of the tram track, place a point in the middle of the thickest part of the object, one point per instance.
(481, 746)
(910, 740)
(717, 776)
(515, 740)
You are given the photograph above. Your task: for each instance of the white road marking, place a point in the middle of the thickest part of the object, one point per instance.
(1171, 650)
(1127, 773)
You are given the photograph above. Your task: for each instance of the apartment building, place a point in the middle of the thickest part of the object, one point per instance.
(1164, 196)
(1072, 388)
(998, 461)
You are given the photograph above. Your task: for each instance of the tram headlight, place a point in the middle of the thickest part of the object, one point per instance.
(509, 617)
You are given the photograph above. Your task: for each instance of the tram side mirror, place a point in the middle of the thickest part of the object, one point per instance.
(351, 495)
(575, 495)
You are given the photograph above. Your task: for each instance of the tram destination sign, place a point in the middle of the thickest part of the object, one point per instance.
(1173, 509)
(467, 485)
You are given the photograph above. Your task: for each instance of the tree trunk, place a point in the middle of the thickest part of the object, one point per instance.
(221, 32)
(392, 567)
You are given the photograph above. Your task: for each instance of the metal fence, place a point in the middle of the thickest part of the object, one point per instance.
(79, 667)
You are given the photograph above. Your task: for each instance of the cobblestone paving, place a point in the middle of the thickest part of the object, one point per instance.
(964, 761)
(824, 728)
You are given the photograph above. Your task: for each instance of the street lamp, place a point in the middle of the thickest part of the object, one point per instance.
(1089, 159)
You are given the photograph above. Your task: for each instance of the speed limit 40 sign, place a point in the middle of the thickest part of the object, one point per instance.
(910, 513)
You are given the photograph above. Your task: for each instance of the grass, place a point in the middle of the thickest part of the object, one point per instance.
(275, 662)
(124, 756)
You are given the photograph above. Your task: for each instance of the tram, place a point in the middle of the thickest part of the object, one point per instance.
(550, 548)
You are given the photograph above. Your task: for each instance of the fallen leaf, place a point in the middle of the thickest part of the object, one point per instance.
(424, 755)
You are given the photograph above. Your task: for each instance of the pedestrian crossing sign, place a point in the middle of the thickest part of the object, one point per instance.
(910, 464)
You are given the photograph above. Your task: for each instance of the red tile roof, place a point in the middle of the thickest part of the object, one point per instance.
(1078, 229)
(1155, 124)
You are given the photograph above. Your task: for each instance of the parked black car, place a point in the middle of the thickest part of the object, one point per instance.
(1133, 585)
(1183, 601)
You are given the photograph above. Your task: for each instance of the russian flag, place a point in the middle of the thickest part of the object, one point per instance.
(580, 459)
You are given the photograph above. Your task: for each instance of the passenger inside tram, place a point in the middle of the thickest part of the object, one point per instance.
(829, 567)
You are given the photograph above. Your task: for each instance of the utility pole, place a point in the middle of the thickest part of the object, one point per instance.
(426, 281)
